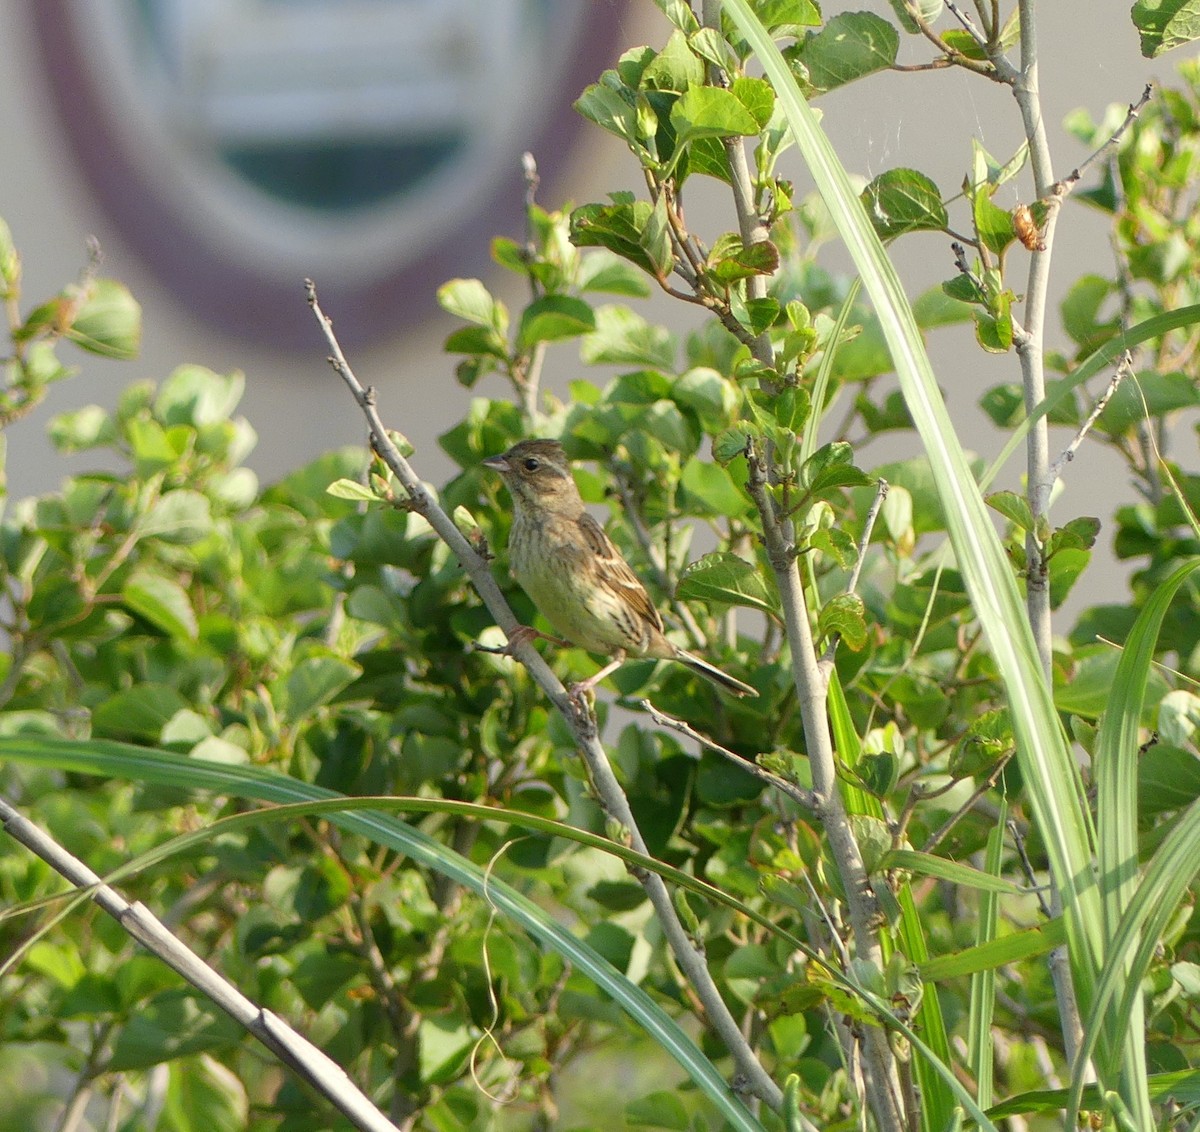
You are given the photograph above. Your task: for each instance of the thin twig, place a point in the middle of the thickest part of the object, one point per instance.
(967, 23)
(528, 375)
(797, 793)
(1027, 867)
(296, 1052)
(881, 490)
(1124, 369)
(1135, 108)
(936, 838)
(582, 723)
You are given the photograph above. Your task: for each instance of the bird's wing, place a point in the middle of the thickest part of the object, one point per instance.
(616, 573)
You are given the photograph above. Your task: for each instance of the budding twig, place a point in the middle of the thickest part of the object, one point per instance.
(1124, 368)
(1135, 108)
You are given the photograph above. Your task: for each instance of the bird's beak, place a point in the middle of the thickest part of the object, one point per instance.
(496, 464)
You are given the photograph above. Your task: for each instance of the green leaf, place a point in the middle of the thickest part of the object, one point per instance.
(929, 10)
(1168, 778)
(655, 240)
(552, 318)
(204, 1095)
(877, 773)
(108, 321)
(756, 96)
(1081, 312)
(1164, 24)
(1077, 534)
(963, 42)
(963, 289)
(844, 614)
(709, 394)
(926, 864)
(849, 46)
(181, 516)
(150, 446)
(829, 469)
(725, 578)
(676, 67)
(904, 200)
(1014, 507)
(471, 301)
(994, 332)
(10, 261)
(602, 270)
(173, 1024)
(618, 227)
(993, 225)
(162, 601)
(1089, 690)
(622, 337)
(731, 443)
(713, 487)
(353, 490)
(139, 712)
(788, 17)
(730, 260)
(314, 682)
(935, 308)
(196, 396)
(998, 952)
(611, 110)
(89, 427)
(756, 315)
(710, 111)
(658, 1110)
(792, 408)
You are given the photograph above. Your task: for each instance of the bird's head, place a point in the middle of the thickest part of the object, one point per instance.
(537, 472)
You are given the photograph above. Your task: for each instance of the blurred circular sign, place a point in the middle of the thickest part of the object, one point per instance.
(374, 145)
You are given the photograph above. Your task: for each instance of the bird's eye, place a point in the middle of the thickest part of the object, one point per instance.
(532, 463)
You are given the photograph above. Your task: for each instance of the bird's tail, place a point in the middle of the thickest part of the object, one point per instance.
(713, 674)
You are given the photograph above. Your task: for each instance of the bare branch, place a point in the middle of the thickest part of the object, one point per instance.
(528, 377)
(1135, 108)
(1124, 369)
(796, 793)
(296, 1052)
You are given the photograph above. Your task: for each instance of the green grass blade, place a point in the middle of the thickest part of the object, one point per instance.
(1016, 947)
(1133, 947)
(1116, 775)
(983, 983)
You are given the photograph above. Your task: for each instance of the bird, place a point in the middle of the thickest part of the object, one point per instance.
(579, 581)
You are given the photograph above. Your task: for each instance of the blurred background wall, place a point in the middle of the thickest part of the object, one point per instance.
(222, 150)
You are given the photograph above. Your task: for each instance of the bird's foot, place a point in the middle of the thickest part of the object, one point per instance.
(519, 636)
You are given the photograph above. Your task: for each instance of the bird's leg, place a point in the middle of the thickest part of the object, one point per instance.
(583, 690)
(518, 636)
(523, 633)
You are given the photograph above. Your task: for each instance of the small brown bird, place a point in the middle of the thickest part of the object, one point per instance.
(574, 574)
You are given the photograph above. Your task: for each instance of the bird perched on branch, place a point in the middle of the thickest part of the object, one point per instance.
(575, 575)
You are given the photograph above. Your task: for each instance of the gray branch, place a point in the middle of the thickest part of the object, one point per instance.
(296, 1052)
